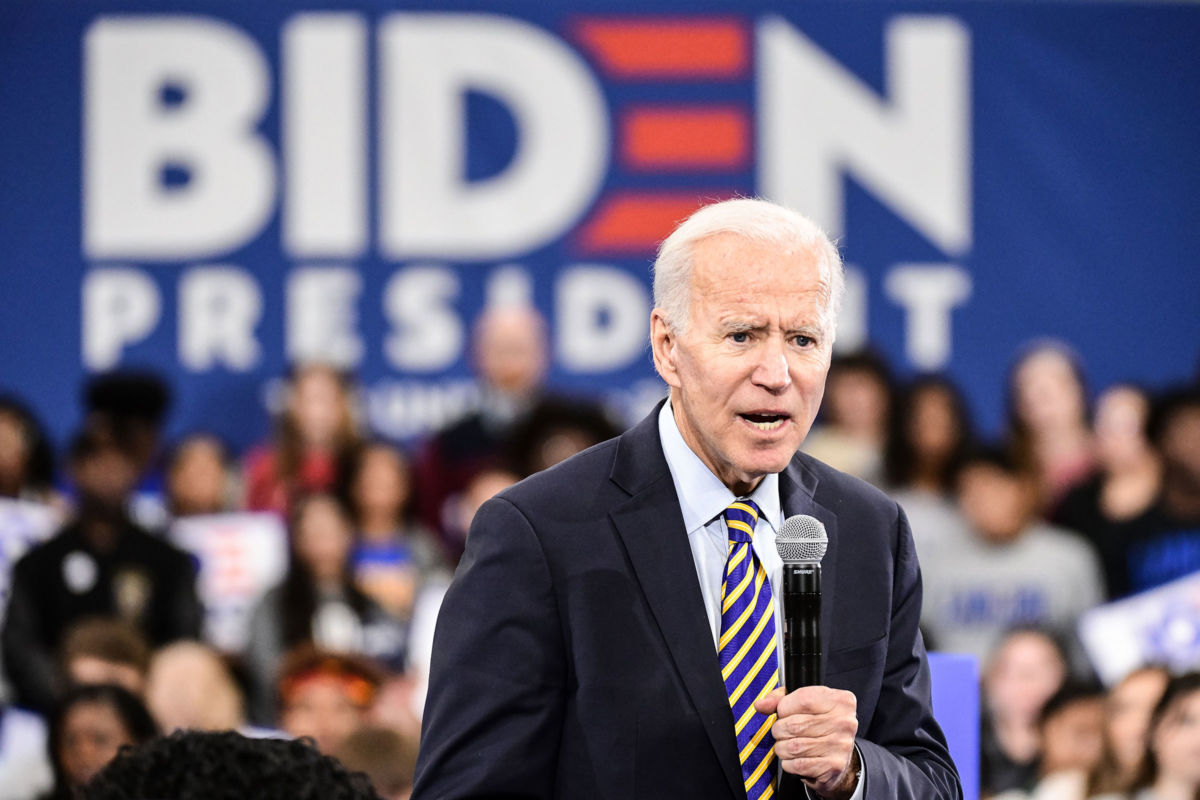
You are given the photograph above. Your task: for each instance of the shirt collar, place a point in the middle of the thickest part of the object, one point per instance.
(702, 496)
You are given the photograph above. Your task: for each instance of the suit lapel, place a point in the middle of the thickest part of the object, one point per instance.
(650, 526)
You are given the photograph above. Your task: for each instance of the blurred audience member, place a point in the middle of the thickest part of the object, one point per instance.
(388, 758)
(101, 563)
(930, 434)
(26, 457)
(1126, 483)
(1024, 671)
(1170, 768)
(326, 696)
(88, 728)
(1048, 419)
(318, 602)
(509, 349)
(25, 771)
(1164, 542)
(1012, 570)
(103, 650)
(556, 429)
(203, 765)
(1126, 721)
(190, 686)
(199, 477)
(134, 405)
(853, 427)
(460, 509)
(394, 554)
(315, 436)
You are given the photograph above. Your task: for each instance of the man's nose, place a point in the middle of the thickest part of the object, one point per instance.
(772, 371)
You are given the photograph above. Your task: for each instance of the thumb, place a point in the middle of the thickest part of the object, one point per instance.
(769, 702)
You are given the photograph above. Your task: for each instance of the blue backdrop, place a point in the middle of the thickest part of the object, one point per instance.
(214, 188)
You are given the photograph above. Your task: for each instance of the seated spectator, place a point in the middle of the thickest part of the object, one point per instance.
(316, 434)
(394, 554)
(199, 765)
(1126, 482)
(134, 404)
(189, 685)
(1164, 542)
(88, 728)
(1012, 570)
(1126, 720)
(1027, 667)
(929, 435)
(386, 756)
(509, 353)
(326, 696)
(852, 429)
(1170, 768)
(318, 603)
(1048, 419)
(100, 650)
(199, 479)
(1069, 728)
(26, 458)
(101, 563)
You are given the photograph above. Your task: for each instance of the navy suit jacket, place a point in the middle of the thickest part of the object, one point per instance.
(573, 657)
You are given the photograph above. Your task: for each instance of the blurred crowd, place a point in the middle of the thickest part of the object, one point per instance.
(291, 590)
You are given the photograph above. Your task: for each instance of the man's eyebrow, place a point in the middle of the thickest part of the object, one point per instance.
(741, 326)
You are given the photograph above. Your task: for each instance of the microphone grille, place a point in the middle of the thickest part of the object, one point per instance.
(802, 539)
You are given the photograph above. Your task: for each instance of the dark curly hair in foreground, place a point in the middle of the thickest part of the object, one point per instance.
(195, 765)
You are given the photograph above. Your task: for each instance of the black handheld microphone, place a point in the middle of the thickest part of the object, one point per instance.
(801, 544)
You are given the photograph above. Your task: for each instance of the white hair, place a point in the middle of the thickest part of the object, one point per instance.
(757, 220)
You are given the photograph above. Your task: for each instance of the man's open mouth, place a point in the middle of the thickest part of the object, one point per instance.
(765, 421)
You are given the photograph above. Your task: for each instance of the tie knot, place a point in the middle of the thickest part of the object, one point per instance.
(741, 517)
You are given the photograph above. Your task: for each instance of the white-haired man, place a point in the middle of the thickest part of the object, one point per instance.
(614, 629)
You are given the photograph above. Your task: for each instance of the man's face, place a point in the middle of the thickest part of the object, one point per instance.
(748, 374)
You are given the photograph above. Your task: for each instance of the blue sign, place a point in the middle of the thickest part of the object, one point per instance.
(217, 189)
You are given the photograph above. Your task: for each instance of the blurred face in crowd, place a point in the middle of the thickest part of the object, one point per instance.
(1181, 446)
(933, 425)
(1128, 715)
(322, 538)
(105, 478)
(748, 371)
(857, 402)
(1048, 393)
(319, 406)
(14, 451)
(322, 709)
(189, 687)
(1072, 737)
(1176, 741)
(196, 483)
(1023, 673)
(1119, 426)
(510, 349)
(92, 735)
(997, 503)
(382, 483)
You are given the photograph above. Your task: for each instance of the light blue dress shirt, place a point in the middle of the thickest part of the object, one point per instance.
(703, 499)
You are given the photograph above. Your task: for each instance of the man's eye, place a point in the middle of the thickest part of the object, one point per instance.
(804, 341)
(740, 337)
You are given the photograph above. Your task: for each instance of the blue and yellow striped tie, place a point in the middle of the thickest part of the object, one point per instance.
(749, 664)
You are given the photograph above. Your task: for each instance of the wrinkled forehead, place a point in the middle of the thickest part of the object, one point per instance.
(725, 263)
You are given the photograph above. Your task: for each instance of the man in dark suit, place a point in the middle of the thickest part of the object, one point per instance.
(612, 631)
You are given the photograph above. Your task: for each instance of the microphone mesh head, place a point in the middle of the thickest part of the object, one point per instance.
(802, 539)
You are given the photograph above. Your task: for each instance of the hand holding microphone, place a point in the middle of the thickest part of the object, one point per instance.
(815, 730)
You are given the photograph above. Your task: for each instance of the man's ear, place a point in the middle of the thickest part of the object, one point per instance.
(662, 348)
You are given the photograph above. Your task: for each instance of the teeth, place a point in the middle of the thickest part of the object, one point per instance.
(767, 426)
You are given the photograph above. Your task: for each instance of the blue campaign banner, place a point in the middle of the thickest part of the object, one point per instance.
(215, 189)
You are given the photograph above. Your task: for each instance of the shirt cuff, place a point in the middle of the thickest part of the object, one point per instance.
(860, 781)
